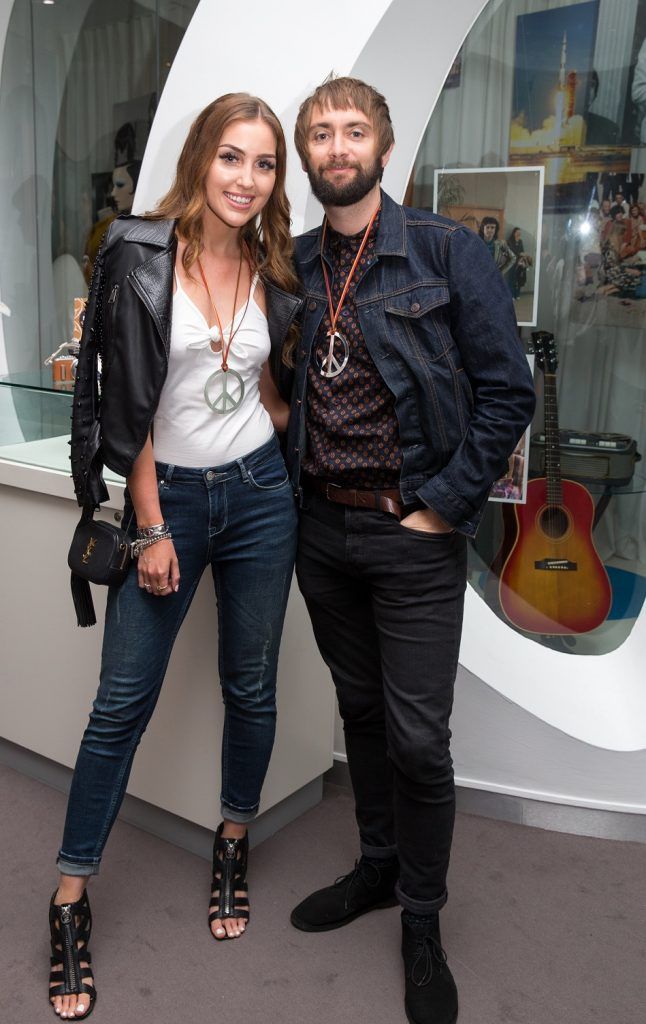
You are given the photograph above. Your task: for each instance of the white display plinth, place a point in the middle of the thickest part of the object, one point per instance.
(50, 666)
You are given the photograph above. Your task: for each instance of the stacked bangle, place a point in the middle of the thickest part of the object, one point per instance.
(148, 535)
(146, 532)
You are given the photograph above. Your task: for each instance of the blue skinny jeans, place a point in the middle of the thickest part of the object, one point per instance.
(240, 519)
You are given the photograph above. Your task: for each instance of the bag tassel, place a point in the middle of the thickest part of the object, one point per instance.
(82, 597)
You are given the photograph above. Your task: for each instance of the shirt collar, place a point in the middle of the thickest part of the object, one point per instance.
(391, 233)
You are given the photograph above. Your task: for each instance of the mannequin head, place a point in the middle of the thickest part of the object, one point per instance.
(124, 183)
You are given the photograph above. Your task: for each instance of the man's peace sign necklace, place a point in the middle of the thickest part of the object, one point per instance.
(332, 364)
(224, 389)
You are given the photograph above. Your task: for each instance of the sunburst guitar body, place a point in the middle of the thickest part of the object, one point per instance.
(553, 581)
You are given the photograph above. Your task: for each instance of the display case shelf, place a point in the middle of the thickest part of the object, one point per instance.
(35, 422)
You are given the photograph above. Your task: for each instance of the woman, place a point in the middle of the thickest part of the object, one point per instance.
(188, 301)
(633, 233)
(517, 276)
(502, 255)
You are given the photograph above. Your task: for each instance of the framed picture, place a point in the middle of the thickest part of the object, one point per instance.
(566, 113)
(504, 205)
(512, 487)
(610, 270)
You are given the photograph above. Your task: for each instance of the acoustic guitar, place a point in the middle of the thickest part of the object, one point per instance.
(553, 581)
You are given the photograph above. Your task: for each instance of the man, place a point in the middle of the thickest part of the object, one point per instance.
(411, 390)
(606, 206)
(632, 186)
(638, 92)
(600, 131)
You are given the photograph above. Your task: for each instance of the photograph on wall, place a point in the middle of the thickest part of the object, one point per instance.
(567, 108)
(503, 205)
(512, 487)
(610, 270)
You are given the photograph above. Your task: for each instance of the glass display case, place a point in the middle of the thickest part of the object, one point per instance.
(537, 144)
(79, 88)
(35, 422)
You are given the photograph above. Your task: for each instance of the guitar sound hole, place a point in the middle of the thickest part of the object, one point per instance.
(554, 521)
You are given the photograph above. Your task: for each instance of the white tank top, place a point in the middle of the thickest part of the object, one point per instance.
(186, 431)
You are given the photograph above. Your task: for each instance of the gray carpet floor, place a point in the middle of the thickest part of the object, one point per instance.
(541, 928)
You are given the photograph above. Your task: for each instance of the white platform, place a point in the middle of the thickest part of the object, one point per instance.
(50, 666)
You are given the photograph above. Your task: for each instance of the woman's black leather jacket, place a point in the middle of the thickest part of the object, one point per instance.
(128, 323)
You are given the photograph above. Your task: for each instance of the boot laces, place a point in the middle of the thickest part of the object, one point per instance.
(427, 950)
(369, 874)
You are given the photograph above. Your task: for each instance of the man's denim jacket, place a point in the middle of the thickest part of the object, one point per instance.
(440, 325)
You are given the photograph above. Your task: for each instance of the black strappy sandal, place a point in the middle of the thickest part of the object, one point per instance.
(229, 874)
(69, 925)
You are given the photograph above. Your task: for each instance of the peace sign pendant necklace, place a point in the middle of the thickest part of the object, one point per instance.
(335, 362)
(224, 389)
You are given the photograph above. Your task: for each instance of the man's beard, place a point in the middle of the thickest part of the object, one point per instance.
(329, 194)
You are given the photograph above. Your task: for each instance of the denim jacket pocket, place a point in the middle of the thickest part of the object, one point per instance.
(421, 313)
(418, 300)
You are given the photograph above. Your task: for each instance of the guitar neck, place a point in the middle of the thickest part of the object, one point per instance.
(552, 443)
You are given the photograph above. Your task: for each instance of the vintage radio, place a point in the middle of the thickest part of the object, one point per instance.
(589, 458)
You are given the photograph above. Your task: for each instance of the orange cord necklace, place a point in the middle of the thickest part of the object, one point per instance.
(330, 366)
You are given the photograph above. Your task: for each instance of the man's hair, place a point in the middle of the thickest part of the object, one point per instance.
(345, 94)
(488, 220)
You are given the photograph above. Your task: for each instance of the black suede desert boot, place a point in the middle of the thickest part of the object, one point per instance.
(431, 994)
(369, 886)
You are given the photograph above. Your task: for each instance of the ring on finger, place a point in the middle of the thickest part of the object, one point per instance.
(147, 587)
(161, 587)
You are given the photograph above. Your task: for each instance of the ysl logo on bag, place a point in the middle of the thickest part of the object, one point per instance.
(88, 551)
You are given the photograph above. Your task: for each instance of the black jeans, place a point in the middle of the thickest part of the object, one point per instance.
(386, 605)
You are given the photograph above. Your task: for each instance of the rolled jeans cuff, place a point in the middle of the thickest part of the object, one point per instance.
(378, 852)
(69, 867)
(240, 817)
(420, 907)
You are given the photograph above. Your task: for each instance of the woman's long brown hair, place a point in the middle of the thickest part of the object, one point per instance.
(270, 244)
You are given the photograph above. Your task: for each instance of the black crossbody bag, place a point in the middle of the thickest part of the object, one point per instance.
(99, 553)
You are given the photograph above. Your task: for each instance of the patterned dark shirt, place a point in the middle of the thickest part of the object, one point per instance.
(352, 431)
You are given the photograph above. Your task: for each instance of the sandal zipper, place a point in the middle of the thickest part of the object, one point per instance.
(68, 945)
(227, 880)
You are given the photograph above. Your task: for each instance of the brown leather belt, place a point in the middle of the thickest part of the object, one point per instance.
(385, 501)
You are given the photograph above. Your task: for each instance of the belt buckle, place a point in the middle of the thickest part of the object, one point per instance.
(328, 484)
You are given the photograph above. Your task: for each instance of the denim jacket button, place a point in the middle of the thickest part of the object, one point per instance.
(415, 308)
(311, 306)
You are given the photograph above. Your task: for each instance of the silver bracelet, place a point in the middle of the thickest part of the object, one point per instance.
(142, 543)
(144, 532)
